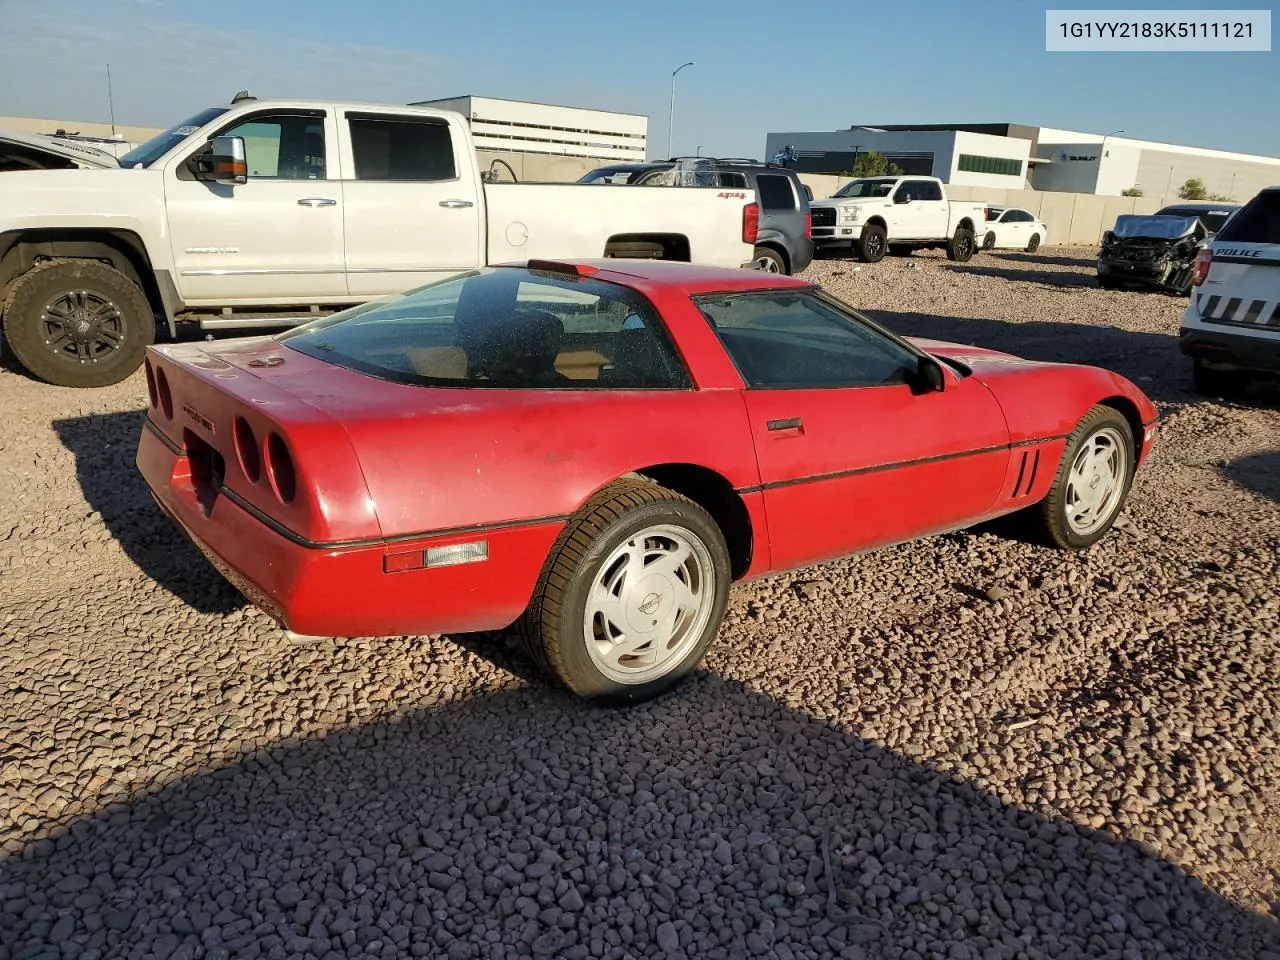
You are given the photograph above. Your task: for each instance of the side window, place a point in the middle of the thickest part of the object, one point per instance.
(781, 340)
(906, 190)
(287, 147)
(775, 192)
(928, 190)
(401, 148)
(733, 179)
(1009, 216)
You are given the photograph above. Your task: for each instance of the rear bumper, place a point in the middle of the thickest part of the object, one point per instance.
(1223, 346)
(339, 590)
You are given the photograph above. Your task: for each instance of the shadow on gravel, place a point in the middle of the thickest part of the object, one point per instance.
(1041, 259)
(1259, 472)
(714, 822)
(1073, 281)
(104, 446)
(1150, 360)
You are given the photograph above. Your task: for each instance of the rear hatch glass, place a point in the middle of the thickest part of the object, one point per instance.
(1257, 222)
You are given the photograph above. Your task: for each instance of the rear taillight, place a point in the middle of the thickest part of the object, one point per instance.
(280, 469)
(751, 223)
(808, 226)
(247, 451)
(163, 394)
(1200, 266)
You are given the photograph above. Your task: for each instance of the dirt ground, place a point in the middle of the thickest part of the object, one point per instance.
(967, 747)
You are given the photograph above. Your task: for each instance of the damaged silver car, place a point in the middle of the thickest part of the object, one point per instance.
(1156, 250)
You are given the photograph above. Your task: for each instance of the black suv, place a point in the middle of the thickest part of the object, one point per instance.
(785, 243)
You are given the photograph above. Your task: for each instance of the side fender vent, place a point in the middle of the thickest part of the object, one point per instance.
(1028, 469)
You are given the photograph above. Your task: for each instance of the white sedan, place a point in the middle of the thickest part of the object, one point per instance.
(1012, 228)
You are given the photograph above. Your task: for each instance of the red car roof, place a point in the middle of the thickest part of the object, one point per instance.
(678, 276)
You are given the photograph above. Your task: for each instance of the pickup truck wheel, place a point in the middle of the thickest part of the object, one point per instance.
(1092, 483)
(770, 260)
(961, 246)
(870, 247)
(1034, 243)
(631, 595)
(1224, 384)
(78, 323)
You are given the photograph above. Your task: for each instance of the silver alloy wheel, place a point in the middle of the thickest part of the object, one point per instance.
(649, 604)
(1096, 481)
(768, 264)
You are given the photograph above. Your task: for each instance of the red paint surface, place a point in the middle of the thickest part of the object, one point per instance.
(398, 468)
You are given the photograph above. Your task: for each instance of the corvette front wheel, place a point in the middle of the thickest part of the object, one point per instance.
(631, 595)
(1092, 482)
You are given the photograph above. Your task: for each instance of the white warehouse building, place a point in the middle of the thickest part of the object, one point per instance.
(1021, 157)
(521, 126)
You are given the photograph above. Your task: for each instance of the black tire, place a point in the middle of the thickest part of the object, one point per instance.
(1224, 384)
(989, 241)
(1034, 244)
(870, 247)
(1051, 514)
(901, 250)
(120, 323)
(771, 260)
(1106, 283)
(961, 247)
(553, 628)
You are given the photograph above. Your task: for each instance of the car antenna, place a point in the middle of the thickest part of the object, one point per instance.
(242, 95)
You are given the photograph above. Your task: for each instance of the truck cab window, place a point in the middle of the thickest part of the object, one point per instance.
(402, 148)
(283, 147)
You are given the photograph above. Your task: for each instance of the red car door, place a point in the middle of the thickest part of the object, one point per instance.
(852, 453)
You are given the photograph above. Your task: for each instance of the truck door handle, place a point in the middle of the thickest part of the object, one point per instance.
(316, 202)
(456, 203)
(791, 423)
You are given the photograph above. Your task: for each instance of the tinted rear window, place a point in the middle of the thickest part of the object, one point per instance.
(775, 192)
(506, 327)
(1257, 222)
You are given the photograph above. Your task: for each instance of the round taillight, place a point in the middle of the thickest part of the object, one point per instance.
(151, 385)
(284, 478)
(247, 451)
(163, 395)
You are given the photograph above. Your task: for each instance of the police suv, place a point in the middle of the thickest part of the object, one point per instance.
(1231, 330)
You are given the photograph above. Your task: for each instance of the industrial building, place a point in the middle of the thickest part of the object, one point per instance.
(1022, 157)
(521, 126)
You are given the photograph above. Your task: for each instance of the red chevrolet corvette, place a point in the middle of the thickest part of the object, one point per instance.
(598, 449)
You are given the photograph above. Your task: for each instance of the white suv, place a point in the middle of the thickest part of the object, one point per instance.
(1231, 330)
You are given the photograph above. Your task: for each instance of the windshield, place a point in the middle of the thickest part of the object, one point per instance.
(866, 188)
(502, 327)
(1156, 227)
(155, 148)
(1212, 219)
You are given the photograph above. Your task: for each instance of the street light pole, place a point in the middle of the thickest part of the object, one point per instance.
(671, 108)
(1102, 155)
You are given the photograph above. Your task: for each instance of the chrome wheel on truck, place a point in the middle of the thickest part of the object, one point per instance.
(631, 595)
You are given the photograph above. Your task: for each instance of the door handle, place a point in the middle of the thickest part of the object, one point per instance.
(791, 423)
(456, 203)
(316, 202)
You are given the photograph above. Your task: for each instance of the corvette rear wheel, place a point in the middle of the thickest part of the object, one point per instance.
(631, 595)
(1092, 482)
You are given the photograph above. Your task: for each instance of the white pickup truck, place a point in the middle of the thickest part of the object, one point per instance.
(878, 215)
(269, 213)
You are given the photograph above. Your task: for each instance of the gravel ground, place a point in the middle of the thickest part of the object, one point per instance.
(963, 748)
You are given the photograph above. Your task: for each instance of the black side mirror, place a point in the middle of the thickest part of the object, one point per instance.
(1108, 236)
(902, 198)
(223, 162)
(928, 377)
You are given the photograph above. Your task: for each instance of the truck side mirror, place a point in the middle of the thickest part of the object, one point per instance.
(224, 162)
(902, 198)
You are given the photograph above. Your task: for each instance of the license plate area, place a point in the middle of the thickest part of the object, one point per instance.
(208, 470)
